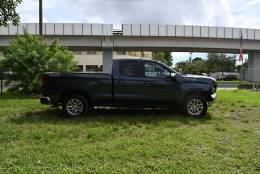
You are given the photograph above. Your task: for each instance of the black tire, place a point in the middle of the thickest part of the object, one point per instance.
(198, 102)
(75, 105)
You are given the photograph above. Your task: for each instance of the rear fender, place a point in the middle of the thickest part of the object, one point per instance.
(73, 91)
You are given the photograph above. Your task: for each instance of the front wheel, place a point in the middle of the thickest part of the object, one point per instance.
(74, 106)
(195, 106)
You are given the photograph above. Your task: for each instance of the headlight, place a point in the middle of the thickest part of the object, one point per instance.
(213, 90)
(214, 96)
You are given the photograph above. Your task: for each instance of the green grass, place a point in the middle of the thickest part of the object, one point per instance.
(235, 81)
(36, 139)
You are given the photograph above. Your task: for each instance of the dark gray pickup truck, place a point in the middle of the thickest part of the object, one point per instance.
(133, 83)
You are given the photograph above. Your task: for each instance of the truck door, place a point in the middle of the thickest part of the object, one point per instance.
(159, 89)
(128, 83)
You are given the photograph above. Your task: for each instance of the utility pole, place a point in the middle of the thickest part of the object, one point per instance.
(40, 18)
(190, 57)
(1, 78)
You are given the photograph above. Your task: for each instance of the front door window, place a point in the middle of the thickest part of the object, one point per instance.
(154, 70)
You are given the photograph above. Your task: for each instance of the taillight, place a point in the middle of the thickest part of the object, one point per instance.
(44, 79)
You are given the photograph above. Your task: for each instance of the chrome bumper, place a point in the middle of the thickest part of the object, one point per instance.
(213, 97)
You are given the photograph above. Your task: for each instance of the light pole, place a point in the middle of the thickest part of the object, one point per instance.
(190, 57)
(40, 18)
(1, 81)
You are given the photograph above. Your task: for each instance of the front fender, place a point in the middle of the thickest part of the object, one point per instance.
(201, 89)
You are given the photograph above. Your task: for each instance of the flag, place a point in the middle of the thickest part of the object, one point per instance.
(241, 55)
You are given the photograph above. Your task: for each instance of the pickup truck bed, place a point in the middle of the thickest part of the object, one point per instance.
(97, 86)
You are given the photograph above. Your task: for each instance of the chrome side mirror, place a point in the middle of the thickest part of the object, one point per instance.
(172, 75)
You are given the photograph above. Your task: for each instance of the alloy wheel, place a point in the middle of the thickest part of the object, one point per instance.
(74, 107)
(195, 107)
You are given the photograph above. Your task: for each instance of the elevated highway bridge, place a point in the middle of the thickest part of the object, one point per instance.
(138, 37)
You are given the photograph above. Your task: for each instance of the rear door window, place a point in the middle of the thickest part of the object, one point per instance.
(129, 68)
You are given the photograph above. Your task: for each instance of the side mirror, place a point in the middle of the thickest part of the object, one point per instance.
(173, 75)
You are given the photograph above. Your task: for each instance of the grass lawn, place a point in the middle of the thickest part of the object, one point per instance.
(35, 139)
(233, 82)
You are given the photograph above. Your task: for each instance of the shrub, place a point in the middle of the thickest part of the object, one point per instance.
(28, 57)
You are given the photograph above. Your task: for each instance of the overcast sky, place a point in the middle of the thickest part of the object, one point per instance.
(228, 13)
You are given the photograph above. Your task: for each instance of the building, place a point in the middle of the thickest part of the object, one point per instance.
(89, 61)
(93, 60)
(87, 58)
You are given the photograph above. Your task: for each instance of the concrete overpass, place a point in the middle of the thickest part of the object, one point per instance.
(175, 38)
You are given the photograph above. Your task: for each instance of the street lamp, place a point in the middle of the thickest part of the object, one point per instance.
(1, 81)
(40, 18)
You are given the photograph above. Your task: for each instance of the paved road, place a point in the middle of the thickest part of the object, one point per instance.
(227, 89)
(228, 85)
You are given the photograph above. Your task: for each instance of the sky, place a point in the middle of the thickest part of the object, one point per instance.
(227, 13)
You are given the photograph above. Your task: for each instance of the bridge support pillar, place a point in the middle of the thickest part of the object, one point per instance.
(107, 60)
(254, 67)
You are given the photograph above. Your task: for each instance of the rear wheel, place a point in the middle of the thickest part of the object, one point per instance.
(75, 105)
(195, 106)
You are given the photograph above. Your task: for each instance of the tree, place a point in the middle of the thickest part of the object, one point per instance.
(216, 62)
(196, 66)
(28, 57)
(212, 62)
(164, 57)
(181, 66)
(219, 62)
(197, 59)
(8, 12)
(199, 66)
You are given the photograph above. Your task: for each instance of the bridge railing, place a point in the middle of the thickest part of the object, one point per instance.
(190, 31)
(86, 29)
(70, 29)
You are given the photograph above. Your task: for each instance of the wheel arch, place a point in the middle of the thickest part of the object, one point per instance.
(203, 94)
(74, 91)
